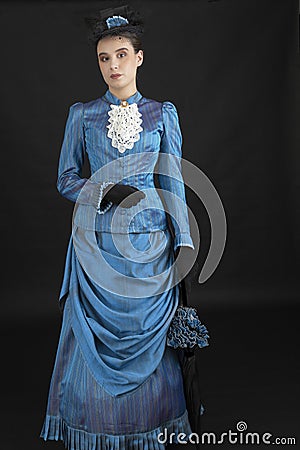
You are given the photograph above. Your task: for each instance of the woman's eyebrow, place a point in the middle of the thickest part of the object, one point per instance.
(104, 53)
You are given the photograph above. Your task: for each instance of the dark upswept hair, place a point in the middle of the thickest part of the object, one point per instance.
(133, 31)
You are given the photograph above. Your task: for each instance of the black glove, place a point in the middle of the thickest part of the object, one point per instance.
(184, 263)
(118, 192)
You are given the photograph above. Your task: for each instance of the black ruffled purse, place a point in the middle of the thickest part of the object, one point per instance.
(187, 335)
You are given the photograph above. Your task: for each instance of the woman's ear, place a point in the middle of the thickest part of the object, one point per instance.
(140, 55)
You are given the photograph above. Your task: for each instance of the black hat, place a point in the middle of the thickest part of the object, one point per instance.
(113, 21)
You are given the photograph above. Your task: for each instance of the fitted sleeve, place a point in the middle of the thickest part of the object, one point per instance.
(69, 182)
(171, 143)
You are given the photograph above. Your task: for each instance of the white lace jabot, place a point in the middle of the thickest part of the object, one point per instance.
(124, 128)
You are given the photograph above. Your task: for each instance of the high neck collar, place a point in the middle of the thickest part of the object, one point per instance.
(111, 98)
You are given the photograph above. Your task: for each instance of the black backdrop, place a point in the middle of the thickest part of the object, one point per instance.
(231, 67)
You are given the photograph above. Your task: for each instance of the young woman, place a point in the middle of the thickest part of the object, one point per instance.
(115, 382)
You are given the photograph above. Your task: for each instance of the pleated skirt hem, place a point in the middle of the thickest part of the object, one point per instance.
(55, 428)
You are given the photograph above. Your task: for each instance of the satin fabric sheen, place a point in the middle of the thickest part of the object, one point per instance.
(122, 337)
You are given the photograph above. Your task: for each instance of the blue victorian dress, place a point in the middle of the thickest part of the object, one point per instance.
(115, 383)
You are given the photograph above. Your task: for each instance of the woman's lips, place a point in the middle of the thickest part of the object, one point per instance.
(116, 76)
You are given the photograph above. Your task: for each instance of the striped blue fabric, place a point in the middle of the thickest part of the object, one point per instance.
(120, 324)
(86, 133)
(79, 409)
(115, 384)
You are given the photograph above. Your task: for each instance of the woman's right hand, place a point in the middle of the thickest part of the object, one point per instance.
(118, 192)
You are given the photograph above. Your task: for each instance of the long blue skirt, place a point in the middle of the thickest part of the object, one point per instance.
(115, 384)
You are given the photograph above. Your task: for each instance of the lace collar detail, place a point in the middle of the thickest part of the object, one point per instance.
(125, 125)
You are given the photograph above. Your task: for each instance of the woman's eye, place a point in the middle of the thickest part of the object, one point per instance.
(104, 58)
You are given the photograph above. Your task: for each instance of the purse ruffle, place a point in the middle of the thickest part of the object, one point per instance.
(186, 330)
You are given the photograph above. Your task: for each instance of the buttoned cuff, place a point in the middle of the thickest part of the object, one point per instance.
(183, 240)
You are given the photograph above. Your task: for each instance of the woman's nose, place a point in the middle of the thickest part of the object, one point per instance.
(114, 64)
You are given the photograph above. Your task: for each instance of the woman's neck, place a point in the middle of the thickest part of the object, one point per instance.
(123, 94)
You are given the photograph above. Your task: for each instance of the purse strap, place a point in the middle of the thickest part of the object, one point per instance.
(182, 294)
(182, 288)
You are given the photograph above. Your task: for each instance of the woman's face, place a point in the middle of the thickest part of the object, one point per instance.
(116, 55)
